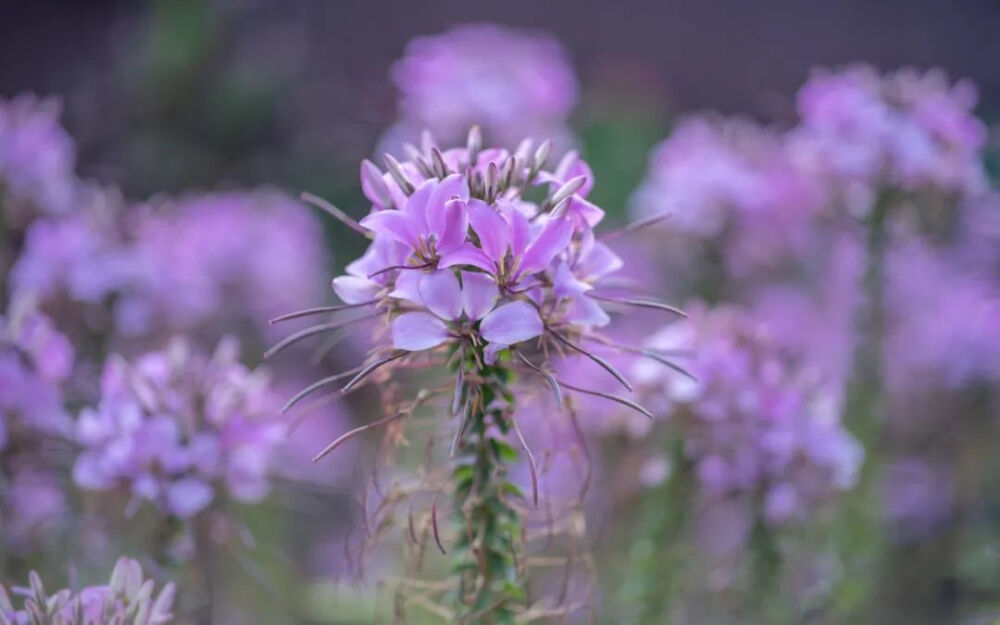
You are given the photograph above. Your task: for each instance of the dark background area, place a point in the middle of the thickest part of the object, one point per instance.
(167, 95)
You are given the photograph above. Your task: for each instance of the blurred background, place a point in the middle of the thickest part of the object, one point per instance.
(190, 115)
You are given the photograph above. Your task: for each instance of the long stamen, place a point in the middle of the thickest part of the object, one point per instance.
(548, 378)
(640, 303)
(368, 370)
(531, 461)
(358, 430)
(615, 398)
(635, 225)
(316, 386)
(340, 215)
(310, 331)
(607, 366)
(317, 311)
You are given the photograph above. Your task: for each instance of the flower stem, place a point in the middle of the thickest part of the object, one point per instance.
(489, 527)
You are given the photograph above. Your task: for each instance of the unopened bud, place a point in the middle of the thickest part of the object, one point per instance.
(397, 173)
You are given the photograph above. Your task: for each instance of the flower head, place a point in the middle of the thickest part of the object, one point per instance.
(127, 599)
(909, 130)
(756, 421)
(180, 429)
(37, 157)
(513, 83)
(459, 255)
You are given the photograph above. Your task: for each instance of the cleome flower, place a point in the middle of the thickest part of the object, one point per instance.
(485, 265)
(127, 599)
(461, 257)
(180, 430)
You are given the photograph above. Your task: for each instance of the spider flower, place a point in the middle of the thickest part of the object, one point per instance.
(35, 361)
(37, 158)
(759, 424)
(459, 256)
(908, 130)
(127, 599)
(180, 429)
(468, 274)
(731, 182)
(513, 83)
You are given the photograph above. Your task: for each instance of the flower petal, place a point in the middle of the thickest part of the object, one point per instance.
(492, 229)
(373, 185)
(453, 186)
(441, 294)
(468, 254)
(456, 226)
(417, 331)
(552, 240)
(511, 323)
(392, 223)
(416, 205)
(407, 286)
(584, 311)
(585, 213)
(354, 290)
(479, 293)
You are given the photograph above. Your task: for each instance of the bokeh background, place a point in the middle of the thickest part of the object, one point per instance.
(171, 100)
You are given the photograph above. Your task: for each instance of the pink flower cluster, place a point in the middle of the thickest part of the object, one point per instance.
(180, 429)
(35, 361)
(37, 157)
(513, 83)
(733, 182)
(908, 130)
(458, 253)
(758, 422)
(127, 599)
(237, 257)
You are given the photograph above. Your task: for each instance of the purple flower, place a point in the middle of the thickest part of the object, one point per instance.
(458, 252)
(83, 257)
(943, 329)
(758, 420)
(35, 361)
(513, 83)
(127, 599)
(734, 185)
(37, 158)
(908, 130)
(180, 430)
(241, 256)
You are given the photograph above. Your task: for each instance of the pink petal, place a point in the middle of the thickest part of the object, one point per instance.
(587, 214)
(354, 290)
(553, 239)
(492, 229)
(373, 185)
(584, 311)
(520, 228)
(468, 254)
(408, 286)
(392, 223)
(479, 293)
(416, 331)
(511, 323)
(599, 262)
(565, 284)
(188, 496)
(453, 186)
(456, 226)
(416, 205)
(442, 294)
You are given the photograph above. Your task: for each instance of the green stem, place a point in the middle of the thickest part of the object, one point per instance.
(489, 528)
